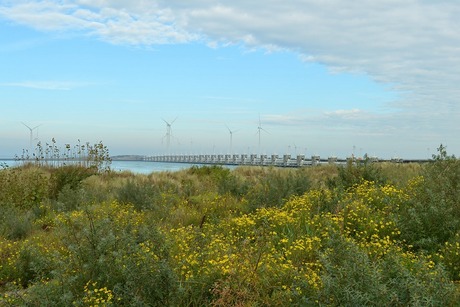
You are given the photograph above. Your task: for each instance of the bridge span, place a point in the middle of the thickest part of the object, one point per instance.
(254, 159)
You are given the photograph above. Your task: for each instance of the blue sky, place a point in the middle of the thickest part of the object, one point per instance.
(325, 79)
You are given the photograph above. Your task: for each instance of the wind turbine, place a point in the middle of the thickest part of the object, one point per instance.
(231, 138)
(259, 129)
(168, 132)
(31, 134)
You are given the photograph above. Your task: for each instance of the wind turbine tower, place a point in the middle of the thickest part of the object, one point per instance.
(231, 138)
(168, 134)
(259, 130)
(31, 134)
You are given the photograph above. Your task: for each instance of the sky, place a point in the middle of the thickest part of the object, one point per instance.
(328, 78)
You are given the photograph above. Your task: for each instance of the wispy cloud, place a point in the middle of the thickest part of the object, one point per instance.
(412, 45)
(347, 114)
(133, 25)
(219, 98)
(45, 85)
(360, 122)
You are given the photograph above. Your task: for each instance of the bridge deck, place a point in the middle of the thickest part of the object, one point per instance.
(264, 160)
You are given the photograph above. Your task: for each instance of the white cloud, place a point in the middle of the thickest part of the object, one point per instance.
(140, 24)
(411, 45)
(44, 85)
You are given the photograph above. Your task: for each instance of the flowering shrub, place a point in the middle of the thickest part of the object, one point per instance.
(95, 296)
(290, 254)
(450, 256)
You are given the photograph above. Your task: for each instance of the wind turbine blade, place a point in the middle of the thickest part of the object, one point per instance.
(173, 121)
(166, 122)
(27, 126)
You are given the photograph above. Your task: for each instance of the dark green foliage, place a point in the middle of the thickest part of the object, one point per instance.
(70, 199)
(414, 285)
(112, 247)
(449, 257)
(273, 189)
(228, 182)
(351, 278)
(205, 170)
(225, 181)
(354, 173)
(14, 223)
(23, 187)
(142, 195)
(432, 216)
(69, 176)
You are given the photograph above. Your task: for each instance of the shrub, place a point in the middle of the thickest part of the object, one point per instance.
(274, 188)
(449, 256)
(69, 176)
(15, 224)
(142, 195)
(351, 278)
(355, 172)
(431, 216)
(221, 178)
(70, 199)
(116, 247)
(23, 187)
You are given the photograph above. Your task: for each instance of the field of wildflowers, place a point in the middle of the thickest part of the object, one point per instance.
(357, 235)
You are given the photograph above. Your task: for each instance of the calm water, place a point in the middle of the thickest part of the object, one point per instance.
(138, 167)
(142, 167)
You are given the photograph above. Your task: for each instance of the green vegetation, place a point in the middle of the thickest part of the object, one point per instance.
(369, 234)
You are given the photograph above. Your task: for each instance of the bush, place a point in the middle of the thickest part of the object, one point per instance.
(69, 176)
(114, 247)
(15, 224)
(431, 216)
(351, 278)
(221, 178)
(274, 188)
(23, 187)
(449, 257)
(354, 173)
(142, 195)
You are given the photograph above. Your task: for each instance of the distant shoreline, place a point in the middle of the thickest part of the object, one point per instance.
(128, 158)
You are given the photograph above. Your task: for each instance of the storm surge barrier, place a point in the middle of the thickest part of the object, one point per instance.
(252, 159)
(285, 160)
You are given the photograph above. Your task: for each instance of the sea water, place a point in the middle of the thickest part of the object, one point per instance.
(138, 167)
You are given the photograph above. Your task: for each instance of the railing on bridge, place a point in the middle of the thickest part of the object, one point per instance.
(245, 159)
